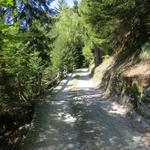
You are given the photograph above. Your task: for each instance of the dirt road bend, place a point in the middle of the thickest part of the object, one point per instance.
(80, 117)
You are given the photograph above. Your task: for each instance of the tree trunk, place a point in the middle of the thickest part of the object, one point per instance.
(97, 57)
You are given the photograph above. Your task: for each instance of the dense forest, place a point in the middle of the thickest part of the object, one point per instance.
(34, 59)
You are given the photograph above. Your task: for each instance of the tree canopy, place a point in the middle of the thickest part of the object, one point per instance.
(23, 11)
(57, 42)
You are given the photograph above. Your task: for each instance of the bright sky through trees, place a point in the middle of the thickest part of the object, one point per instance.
(69, 2)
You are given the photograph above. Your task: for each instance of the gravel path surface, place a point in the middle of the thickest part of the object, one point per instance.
(80, 117)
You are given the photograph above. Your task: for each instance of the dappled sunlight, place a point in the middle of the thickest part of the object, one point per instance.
(118, 109)
(66, 117)
(82, 118)
(46, 87)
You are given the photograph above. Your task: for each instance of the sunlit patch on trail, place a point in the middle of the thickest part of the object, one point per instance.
(66, 117)
(118, 109)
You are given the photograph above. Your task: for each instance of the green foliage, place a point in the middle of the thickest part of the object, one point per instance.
(7, 3)
(88, 53)
(24, 57)
(30, 60)
(105, 57)
(145, 53)
(67, 48)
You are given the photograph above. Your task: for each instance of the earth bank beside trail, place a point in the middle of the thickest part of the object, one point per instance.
(129, 84)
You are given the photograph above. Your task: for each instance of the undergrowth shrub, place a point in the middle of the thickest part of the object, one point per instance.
(145, 53)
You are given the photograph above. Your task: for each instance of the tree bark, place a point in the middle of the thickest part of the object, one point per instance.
(97, 57)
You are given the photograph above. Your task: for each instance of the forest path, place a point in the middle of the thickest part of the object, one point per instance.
(80, 117)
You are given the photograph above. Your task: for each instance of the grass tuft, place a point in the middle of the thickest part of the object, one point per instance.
(145, 53)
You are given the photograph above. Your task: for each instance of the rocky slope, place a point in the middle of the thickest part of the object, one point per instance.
(130, 84)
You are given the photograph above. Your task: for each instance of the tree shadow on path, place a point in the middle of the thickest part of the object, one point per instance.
(82, 119)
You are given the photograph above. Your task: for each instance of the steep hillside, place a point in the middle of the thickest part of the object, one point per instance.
(130, 87)
(126, 74)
